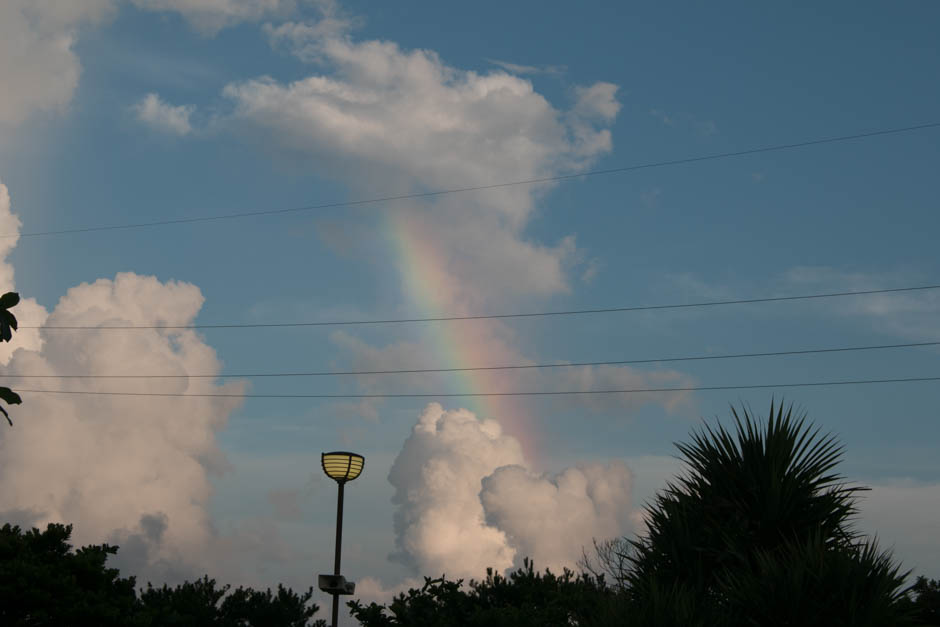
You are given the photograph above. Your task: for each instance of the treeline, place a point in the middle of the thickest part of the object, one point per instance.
(43, 582)
(756, 531)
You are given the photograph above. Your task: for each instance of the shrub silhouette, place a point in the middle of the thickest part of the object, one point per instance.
(758, 531)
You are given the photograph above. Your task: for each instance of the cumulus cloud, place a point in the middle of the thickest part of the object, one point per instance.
(125, 469)
(386, 119)
(439, 520)
(551, 519)
(110, 464)
(164, 117)
(465, 500)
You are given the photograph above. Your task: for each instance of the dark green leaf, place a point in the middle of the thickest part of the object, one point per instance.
(10, 299)
(9, 396)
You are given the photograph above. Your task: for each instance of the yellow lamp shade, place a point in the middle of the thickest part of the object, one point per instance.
(342, 466)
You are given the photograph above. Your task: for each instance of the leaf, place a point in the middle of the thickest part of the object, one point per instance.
(10, 299)
(9, 396)
(6, 415)
(7, 322)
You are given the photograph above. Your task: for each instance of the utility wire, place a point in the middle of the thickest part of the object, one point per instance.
(458, 190)
(535, 314)
(621, 362)
(474, 394)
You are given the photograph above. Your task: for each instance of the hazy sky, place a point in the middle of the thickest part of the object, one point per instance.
(115, 113)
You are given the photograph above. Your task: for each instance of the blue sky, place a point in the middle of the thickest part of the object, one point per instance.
(126, 112)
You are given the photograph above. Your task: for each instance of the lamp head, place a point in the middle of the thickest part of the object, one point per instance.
(341, 465)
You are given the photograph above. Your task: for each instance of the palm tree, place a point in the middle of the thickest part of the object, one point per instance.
(758, 531)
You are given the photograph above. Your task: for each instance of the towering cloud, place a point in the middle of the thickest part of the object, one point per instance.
(551, 519)
(439, 522)
(465, 501)
(119, 468)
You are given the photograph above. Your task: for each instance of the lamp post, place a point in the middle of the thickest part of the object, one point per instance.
(340, 466)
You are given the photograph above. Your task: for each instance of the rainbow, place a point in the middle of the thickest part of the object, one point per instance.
(431, 291)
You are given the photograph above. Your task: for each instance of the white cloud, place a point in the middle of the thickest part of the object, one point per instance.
(305, 40)
(389, 120)
(465, 501)
(107, 463)
(552, 519)
(370, 589)
(210, 16)
(164, 117)
(126, 469)
(439, 521)
(38, 67)
(597, 101)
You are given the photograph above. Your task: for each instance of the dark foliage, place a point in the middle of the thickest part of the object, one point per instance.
(524, 598)
(758, 531)
(923, 599)
(43, 582)
(202, 602)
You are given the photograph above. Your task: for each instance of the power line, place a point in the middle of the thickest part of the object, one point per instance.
(476, 394)
(535, 314)
(622, 362)
(458, 190)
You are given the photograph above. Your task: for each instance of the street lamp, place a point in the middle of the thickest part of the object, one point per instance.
(341, 467)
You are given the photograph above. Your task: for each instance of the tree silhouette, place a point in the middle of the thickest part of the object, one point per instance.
(525, 598)
(758, 530)
(924, 601)
(44, 583)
